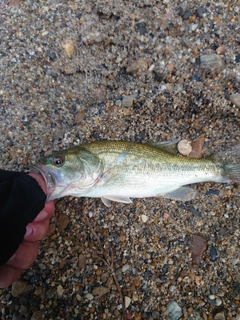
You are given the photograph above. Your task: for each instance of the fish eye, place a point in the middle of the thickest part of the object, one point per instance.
(58, 161)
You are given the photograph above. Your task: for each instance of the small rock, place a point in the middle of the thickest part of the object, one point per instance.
(235, 99)
(183, 7)
(200, 11)
(184, 147)
(221, 50)
(89, 296)
(93, 37)
(173, 311)
(237, 58)
(197, 148)
(51, 293)
(79, 117)
(51, 230)
(60, 290)
(101, 290)
(18, 288)
(38, 291)
(220, 316)
(137, 66)
(144, 218)
(127, 101)
(141, 28)
(38, 315)
(198, 247)
(212, 63)
(62, 222)
(81, 261)
(14, 2)
(187, 14)
(127, 301)
(69, 48)
(23, 310)
(213, 254)
(214, 290)
(125, 267)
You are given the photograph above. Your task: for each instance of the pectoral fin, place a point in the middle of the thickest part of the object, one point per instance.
(182, 193)
(107, 200)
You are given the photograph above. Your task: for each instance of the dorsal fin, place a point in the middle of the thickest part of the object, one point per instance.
(168, 146)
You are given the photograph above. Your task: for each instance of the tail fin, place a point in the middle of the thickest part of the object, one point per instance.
(232, 172)
(231, 168)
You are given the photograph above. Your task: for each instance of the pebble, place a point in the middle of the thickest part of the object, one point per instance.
(200, 10)
(173, 311)
(235, 99)
(125, 267)
(144, 218)
(18, 288)
(183, 7)
(79, 117)
(89, 296)
(127, 101)
(101, 290)
(62, 222)
(220, 316)
(212, 62)
(38, 315)
(60, 290)
(221, 50)
(138, 65)
(69, 48)
(127, 301)
(213, 253)
(82, 261)
(184, 147)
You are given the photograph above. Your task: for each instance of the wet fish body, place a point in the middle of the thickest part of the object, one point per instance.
(119, 171)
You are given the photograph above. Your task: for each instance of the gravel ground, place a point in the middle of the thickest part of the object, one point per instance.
(76, 71)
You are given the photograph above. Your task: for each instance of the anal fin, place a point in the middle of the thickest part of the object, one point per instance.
(107, 200)
(182, 194)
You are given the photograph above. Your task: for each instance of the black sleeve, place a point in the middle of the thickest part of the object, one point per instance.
(21, 199)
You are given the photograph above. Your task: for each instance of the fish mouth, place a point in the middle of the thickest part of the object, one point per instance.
(48, 177)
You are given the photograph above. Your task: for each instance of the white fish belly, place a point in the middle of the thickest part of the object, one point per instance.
(152, 184)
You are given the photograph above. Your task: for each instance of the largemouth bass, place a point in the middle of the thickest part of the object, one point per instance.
(119, 171)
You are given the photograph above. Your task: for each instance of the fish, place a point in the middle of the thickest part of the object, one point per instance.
(120, 170)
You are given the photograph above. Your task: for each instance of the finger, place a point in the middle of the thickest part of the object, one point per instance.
(47, 211)
(24, 256)
(8, 275)
(36, 231)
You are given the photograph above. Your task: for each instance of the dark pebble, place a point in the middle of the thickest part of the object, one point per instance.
(214, 290)
(212, 25)
(212, 302)
(237, 58)
(186, 14)
(35, 279)
(212, 191)
(213, 253)
(197, 77)
(200, 11)
(155, 315)
(158, 76)
(141, 28)
(194, 211)
(163, 239)
(147, 274)
(165, 268)
(51, 55)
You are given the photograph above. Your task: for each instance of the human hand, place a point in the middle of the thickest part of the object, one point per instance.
(28, 249)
